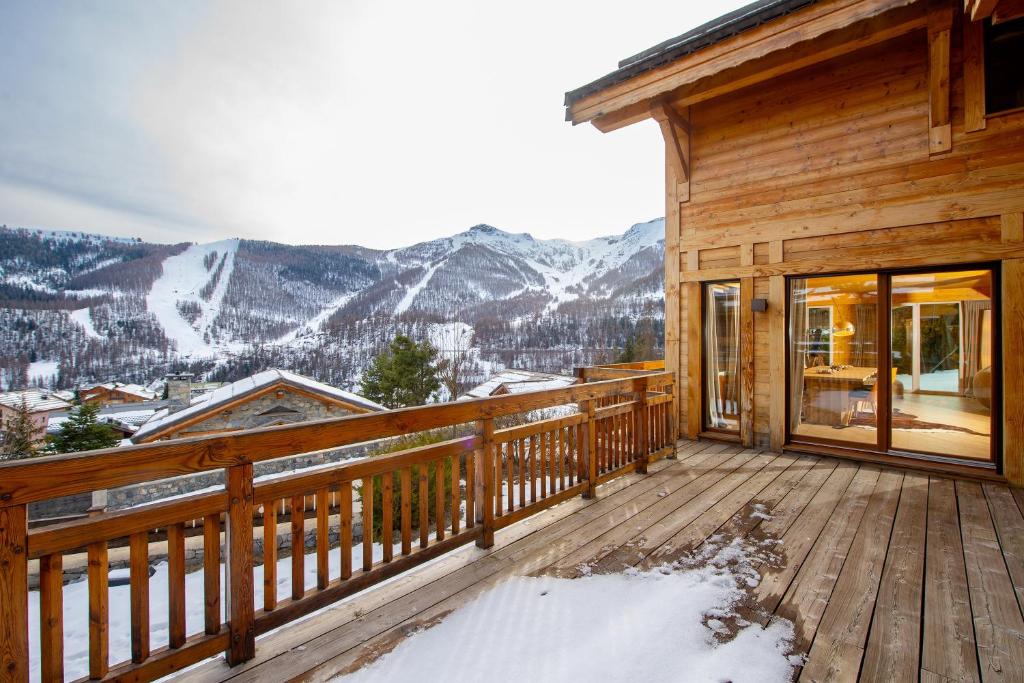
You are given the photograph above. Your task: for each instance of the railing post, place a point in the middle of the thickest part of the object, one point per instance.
(238, 570)
(14, 593)
(483, 482)
(673, 415)
(643, 431)
(590, 448)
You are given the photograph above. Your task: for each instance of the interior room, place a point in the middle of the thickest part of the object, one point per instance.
(939, 355)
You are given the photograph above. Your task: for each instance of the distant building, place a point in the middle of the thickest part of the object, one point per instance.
(115, 393)
(513, 381)
(272, 397)
(125, 418)
(40, 404)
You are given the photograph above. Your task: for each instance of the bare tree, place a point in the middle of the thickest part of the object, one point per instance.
(454, 343)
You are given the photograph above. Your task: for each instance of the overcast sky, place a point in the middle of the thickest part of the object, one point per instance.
(374, 123)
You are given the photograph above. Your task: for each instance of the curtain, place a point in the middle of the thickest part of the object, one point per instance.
(865, 353)
(971, 314)
(798, 344)
(721, 369)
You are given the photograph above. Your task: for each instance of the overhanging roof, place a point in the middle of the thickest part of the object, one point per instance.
(705, 35)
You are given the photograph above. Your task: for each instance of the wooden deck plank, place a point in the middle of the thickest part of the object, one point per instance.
(838, 645)
(805, 600)
(659, 521)
(998, 625)
(1009, 523)
(949, 647)
(894, 643)
(801, 536)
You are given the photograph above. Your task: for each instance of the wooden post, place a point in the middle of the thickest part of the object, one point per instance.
(14, 593)
(483, 479)
(590, 448)
(239, 588)
(673, 430)
(643, 435)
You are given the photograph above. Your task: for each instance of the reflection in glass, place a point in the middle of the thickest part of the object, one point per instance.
(833, 330)
(942, 362)
(722, 355)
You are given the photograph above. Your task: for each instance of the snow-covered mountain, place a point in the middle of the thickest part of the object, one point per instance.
(98, 307)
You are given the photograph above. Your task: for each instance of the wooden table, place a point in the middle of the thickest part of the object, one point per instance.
(827, 399)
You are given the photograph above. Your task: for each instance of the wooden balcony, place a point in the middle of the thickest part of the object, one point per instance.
(885, 573)
(484, 479)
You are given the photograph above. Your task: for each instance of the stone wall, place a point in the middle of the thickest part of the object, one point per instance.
(282, 406)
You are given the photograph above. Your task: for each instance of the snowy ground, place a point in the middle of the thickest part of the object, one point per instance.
(941, 380)
(83, 318)
(43, 373)
(663, 625)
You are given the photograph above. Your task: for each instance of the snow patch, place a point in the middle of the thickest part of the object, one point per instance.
(84, 318)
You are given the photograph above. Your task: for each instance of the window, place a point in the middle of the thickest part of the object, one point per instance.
(911, 366)
(722, 356)
(1004, 76)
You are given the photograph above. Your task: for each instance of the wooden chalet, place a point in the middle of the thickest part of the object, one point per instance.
(844, 239)
(844, 302)
(115, 393)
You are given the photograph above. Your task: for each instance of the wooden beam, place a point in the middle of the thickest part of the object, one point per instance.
(694, 349)
(974, 76)
(672, 267)
(822, 31)
(13, 593)
(777, 370)
(1008, 10)
(980, 9)
(747, 362)
(675, 129)
(1013, 370)
(238, 589)
(940, 27)
(1012, 227)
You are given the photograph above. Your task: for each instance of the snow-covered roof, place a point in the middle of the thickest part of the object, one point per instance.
(162, 419)
(133, 389)
(518, 381)
(127, 418)
(37, 400)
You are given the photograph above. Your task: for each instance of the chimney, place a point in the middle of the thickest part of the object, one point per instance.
(179, 392)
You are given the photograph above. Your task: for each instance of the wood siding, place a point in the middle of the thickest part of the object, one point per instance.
(833, 168)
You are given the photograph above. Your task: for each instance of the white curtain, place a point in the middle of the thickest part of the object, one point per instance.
(798, 342)
(721, 364)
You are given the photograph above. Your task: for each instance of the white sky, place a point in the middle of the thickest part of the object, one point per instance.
(374, 123)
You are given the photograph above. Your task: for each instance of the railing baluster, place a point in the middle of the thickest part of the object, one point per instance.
(424, 504)
(323, 529)
(510, 485)
(544, 438)
(345, 528)
(521, 473)
(439, 499)
(51, 617)
(470, 490)
(406, 483)
(455, 497)
(211, 571)
(14, 592)
(139, 579)
(176, 585)
(270, 554)
(239, 589)
(533, 469)
(298, 506)
(99, 610)
(556, 453)
(387, 522)
(367, 505)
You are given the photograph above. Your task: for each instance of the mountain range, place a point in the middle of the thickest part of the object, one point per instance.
(80, 307)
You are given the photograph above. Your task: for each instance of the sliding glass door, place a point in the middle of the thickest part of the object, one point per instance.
(833, 358)
(722, 356)
(902, 363)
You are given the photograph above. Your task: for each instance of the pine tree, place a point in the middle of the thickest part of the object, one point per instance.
(404, 375)
(81, 432)
(19, 435)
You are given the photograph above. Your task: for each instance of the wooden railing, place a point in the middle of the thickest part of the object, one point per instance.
(463, 489)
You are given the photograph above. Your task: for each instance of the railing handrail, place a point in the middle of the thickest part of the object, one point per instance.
(45, 477)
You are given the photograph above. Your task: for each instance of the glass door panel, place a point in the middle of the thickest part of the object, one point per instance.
(722, 356)
(942, 363)
(833, 359)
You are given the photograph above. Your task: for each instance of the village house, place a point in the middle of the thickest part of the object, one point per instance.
(40, 403)
(514, 381)
(271, 397)
(115, 393)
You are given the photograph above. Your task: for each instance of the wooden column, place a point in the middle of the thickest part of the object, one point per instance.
(239, 585)
(694, 349)
(672, 267)
(13, 593)
(484, 482)
(590, 448)
(747, 361)
(1013, 370)
(777, 351)
(940, 25)
(640, 413)
(974, 75)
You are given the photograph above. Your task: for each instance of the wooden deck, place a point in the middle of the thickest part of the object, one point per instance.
(887, 574)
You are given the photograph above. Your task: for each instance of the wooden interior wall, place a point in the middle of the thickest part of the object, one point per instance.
(835, 168)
